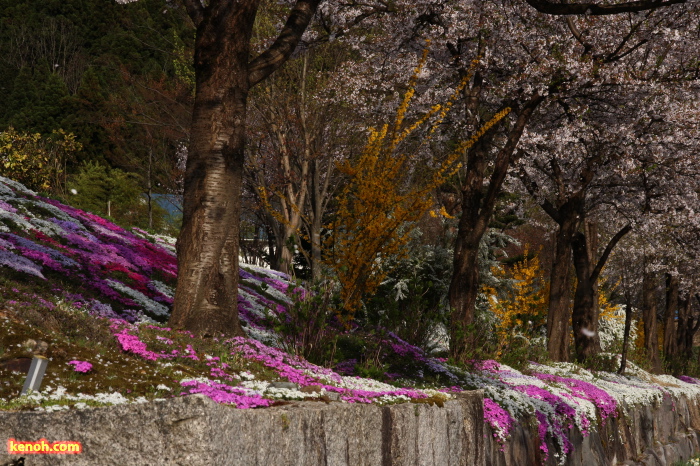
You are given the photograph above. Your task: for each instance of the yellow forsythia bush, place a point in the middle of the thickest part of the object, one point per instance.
(378, 205)
(522, 306)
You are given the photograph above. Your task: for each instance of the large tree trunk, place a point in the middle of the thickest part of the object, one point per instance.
(649, 310)
(207, 289)
(464, 287)
(586, 313)
(687, 326)
(477, 208)
(207, 248)
(672, 288)
(560, 289)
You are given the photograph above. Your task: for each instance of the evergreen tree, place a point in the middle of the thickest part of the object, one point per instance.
(113, 193)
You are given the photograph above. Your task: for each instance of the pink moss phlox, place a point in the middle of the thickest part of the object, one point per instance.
(81, 366)
(606, 404)
(299, 371)
(403, 348)
(155, 327)
(220, 374)
(279, 285)
(20, 264)
(366, 396)
(498, 418)
(222, 393)
(131, 343)
(295, 369)
(191, 353)
(542, 428)
(7, 207)
(560, 406)
(262, 300)
(488, 365)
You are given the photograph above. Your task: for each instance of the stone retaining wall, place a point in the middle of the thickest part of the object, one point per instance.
(654, 435)
(194, 430)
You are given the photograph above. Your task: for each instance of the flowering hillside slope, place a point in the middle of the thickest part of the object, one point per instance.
(99, 295)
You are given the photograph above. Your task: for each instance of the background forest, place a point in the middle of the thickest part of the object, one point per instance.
(106, 88)
(400, 140)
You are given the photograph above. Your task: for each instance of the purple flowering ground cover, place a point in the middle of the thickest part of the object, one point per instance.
(100, 295)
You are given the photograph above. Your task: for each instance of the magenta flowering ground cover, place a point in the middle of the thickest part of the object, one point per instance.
(127, 278)
(81, 366)
(114, 269)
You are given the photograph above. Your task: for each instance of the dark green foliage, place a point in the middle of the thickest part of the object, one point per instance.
(37, 101)
(412, 301)
(74, 64)
(114, 193)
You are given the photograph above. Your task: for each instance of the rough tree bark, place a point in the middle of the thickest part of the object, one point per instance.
(568, 210)
(670, 330)
(477, 209)
(586, 311)
(207, 289)
(559, 312)
(649, 311)
(688, 326)
(568, 214)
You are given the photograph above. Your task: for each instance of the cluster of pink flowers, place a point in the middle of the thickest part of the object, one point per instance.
(94, 252)
(606, 404)
(542, 431)
(131, 343)
(499, 419)
(226, 394)
(81, 366)
(304, 373)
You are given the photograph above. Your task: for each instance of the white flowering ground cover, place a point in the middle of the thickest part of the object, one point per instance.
(100, 295)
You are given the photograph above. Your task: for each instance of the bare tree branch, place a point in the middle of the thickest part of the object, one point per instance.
(278, 53)
(594, 9)
(533, 189)
(578, 36)
(608, 249)
(505, 156)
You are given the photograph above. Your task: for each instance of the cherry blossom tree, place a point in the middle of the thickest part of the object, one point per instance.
(226, 68)
(530, 60)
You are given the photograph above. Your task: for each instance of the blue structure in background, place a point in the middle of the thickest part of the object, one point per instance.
(172, 204)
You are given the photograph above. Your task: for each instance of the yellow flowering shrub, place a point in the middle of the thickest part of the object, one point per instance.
(522, 306)
(377, 206)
